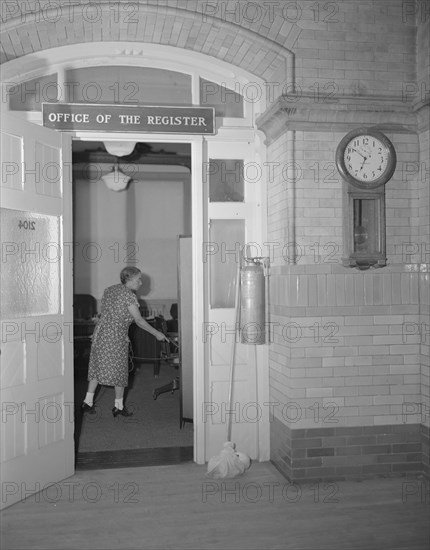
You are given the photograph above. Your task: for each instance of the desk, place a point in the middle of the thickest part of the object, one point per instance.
(82, 333)
(146, 348)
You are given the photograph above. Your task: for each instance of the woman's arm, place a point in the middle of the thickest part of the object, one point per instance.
(144, 325)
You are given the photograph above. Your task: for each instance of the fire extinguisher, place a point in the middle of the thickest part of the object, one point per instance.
(252, 303)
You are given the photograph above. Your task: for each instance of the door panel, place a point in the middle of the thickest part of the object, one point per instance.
(233, 215)
(185, 295)
(36, 316)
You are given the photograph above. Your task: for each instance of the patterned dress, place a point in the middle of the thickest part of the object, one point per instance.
(109, 350)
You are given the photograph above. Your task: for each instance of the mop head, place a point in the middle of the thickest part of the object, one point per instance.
(229, 463)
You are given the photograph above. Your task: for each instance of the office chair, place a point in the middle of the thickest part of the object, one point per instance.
(84, 307)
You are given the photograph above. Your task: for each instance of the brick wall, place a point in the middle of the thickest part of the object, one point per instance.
(348, 47)
(318, 193)
(423, 240)
(348, 364)
(343, 337)
(342, 453)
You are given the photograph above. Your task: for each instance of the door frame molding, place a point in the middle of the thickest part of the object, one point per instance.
(197, 65)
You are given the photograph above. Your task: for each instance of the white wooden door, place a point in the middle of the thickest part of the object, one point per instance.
(37, 447)
(185, 299)
(234, 217)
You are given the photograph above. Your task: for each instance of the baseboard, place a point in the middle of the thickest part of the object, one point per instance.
(355, 452)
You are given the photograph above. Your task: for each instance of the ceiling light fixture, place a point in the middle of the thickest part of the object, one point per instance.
(119, 148)
(116, 180)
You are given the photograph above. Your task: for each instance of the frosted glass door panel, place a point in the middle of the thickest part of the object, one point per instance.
(226, 238)
(30, 271)
(226, 180)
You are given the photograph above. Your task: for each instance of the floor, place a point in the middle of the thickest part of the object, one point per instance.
(154, 424)
(178, 506)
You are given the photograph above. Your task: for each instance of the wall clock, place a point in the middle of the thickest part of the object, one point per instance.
(366, 158)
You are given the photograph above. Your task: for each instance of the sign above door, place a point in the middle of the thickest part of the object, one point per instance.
(128, 118)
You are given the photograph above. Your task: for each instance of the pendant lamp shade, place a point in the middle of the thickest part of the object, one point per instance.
(119, 148)
(116, 180)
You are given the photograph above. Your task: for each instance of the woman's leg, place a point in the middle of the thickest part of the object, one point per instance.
(89, 398)
(119, 397)
(119, 392)
(119, 403)
(92, 386)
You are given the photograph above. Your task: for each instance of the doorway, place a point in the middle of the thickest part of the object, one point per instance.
(135, 220)
(236, 138)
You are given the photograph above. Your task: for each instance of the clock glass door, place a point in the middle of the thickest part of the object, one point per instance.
(366, 226)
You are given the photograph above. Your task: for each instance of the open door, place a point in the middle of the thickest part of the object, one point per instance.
(37, 446)
(234, 217)
(185, 292)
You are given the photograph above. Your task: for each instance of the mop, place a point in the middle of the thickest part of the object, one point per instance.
(230, 462)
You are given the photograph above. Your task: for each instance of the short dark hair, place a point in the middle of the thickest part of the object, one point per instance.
(128, 273)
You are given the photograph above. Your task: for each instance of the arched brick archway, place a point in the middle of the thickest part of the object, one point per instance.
(237, 139)
(259, 41)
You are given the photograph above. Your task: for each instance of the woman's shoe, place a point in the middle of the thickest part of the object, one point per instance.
(87, 408)
(122, 412)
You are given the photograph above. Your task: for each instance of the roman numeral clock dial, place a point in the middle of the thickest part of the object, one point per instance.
(366, 158)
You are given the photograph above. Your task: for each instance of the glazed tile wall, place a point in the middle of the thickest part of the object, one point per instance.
(423, 254)
(347, 346)
(344, 346)
(423, 240)
(317, 211)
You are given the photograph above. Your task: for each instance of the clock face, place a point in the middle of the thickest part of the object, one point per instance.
(366, 158)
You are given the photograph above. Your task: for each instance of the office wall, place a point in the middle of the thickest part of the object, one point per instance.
(138, 226)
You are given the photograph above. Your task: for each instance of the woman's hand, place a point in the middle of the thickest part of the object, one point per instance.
(161, 337)
(144, 325)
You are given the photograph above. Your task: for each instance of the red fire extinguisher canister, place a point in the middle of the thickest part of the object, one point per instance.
(252, 305)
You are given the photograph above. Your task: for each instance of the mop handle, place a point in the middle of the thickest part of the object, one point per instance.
(233, 350)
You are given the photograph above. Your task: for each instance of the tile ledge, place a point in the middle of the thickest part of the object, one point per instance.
(337, 269)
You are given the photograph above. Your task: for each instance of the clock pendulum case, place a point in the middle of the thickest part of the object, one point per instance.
(366, 160)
